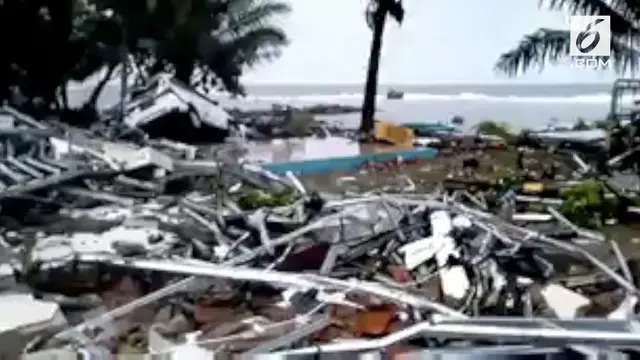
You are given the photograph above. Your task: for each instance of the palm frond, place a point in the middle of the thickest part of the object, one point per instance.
(395, 9)
(247, 48)
(535, 49)
(549, 46)
(222, 59)
(256, 16)
(624, 58)
(259, 44)
(623, 13)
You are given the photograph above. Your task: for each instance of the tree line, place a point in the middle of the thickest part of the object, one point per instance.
(210, 43)
(49, 43)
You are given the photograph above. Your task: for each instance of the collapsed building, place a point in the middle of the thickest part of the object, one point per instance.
(114, 247)
(166, 108)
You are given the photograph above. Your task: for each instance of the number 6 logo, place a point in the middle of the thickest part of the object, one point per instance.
(590, 36)
(584, 35)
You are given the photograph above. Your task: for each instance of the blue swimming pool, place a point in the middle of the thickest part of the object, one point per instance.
(347, 163)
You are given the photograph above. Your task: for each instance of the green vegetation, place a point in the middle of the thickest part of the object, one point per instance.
(202, 42)
(506, 179)
(254, 199)
(586, 205)
(552, 45)
(501, 129)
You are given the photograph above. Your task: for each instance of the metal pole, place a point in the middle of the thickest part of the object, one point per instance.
(123, 74)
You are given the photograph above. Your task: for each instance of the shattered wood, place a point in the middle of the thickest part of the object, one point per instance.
(113, 247)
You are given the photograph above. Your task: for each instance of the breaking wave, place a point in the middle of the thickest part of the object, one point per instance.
(349, 97)
(596, 98)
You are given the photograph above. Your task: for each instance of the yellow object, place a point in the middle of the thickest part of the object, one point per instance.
(533, 187)
(394, 134)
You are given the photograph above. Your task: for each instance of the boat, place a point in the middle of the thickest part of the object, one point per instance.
(430, 129)
(457, 120)
(394, 94)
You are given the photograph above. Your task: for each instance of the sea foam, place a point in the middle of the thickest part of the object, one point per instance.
(596, 98)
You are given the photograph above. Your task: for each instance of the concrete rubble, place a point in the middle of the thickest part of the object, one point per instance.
(156, 247)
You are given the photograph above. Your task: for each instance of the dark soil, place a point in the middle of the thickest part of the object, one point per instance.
(427, 174)
(492, 164)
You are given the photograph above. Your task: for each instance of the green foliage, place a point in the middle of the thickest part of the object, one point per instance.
(585, 204)
(39, 48)
(490, 127)
(254, 199)
(202, 42)
(507, 179)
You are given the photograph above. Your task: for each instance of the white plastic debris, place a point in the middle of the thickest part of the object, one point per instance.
(564, 302)
(150, 210)
(461, 222)
(131, 158)
(440, 223)
(533, 217)
(190, 349)
(62, 147)
(63, 248)
(454, 282)
(440, 246)
(23, 313)
(625, 309)
(420, 251)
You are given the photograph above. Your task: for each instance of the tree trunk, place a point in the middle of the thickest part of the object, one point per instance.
(64, 96)
(371, 86)
(183, 70)
(93, 100)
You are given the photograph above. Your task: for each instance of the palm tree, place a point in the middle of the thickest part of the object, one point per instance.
(376, 19)
(49, 28)
(201, 42)
(551, 45)
(210, 42)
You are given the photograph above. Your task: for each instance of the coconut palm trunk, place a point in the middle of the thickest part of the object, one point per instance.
(371, 86)
(376, 19)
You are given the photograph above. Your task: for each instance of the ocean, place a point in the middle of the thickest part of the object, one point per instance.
(520, 106)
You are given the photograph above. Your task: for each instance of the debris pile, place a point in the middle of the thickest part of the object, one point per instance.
(111, 247)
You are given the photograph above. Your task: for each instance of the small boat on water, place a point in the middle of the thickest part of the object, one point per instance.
(393, 94)
(430, 129)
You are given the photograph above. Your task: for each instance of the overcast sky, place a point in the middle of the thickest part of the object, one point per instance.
(440, 41)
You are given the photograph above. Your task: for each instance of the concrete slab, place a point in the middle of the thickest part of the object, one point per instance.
(25, 314)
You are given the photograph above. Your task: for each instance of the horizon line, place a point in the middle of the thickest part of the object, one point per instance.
(452, 83)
